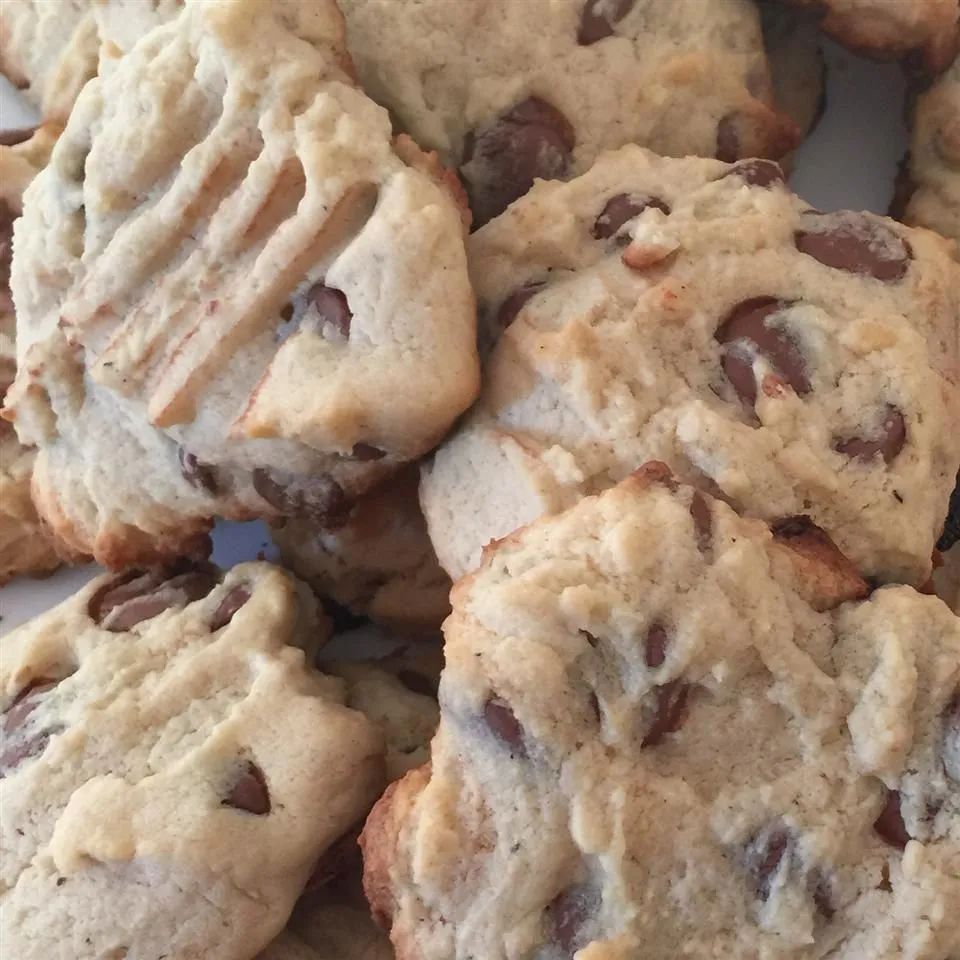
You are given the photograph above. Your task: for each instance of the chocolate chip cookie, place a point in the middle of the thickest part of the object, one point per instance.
(380, 564)
(508, 92)
(238, 299)
(170, 755)
(787, 360)
(663, 723)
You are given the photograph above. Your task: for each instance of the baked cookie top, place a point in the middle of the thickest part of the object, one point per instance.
(790, 361)
(508, 92)
(234, 295)
(663, 723)
(169, 755)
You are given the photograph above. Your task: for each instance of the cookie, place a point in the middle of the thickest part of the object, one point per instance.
(237, 300)
(169, 754)
(508, 92)
(932, 170)
(380, 564)
(25, 544)
(789, 361)
(924, 32)
(650, 736)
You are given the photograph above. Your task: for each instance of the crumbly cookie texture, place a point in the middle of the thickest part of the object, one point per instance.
(924, 31)
(663, 723)
(234, 297)
(25, 543)
(933, 167)
(380, 564)
(170, 755)
(509, 92)
(790, 361)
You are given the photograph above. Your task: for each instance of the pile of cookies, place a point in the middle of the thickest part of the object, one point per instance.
(501, 314)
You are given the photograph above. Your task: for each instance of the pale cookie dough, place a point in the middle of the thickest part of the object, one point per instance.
(25, 544)
(933, 166)
(923, 31)
(689, 311)
(650, 738)
(234, 296)
(172, 766)
(380, 563)
(509, 91)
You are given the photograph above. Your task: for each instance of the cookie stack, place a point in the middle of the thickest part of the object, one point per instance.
(502, 315)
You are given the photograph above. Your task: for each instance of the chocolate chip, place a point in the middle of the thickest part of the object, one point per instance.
(855, 243)
(950, 739)
(10, 138)
(764, 854)
(418, 683)
(249, 791)
(655, 649)
(621, 209)
(236, 597)
(893, 435)
(821, 893)
(745, 333)
(501, 720)
(23, 748)
(197, 474)
(728, 140)
(514, 303)
(889, 824)
(671, 712)
(364, 452)
(702, 519)
(757, 173)
(598, 17)
(137, 596)
(26, 702)
(332, 307)
(533, 140)
(951, 526)
(18, 746)
(566, 916)
(319, 499)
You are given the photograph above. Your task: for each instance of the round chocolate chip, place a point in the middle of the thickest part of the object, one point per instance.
(745, 334)
(236, 597)
(757, 173)
(598, 18)
(889, 824)
(197, 474)
(532, 140)
(889, 442)
(249, 791)
(950, 739)
(764, 854)
(319, 499)
(671, 712)
(514, 303)
(856, 243)
(501, 720)
(655, 649)
(622, 208)
(332, 308)
(566, 916)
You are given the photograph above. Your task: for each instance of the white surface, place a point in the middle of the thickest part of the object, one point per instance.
(849, 162)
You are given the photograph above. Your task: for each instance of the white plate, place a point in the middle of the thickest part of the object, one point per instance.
(849, 162)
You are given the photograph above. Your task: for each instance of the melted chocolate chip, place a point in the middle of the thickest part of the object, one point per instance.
(332, 307)
(764, 855)
(567, 915)
(418, 683)
(10, 138)
(364, 452)
(889, 824)
(951, 526)
(889, 442)
(856, 243)
(702, 519)
(236, 597)
(18, 746)
(745, 332)
(671, 712)
(532, 140)
(319, 499)
(621, 209)
(950, 739)
(655, 649)
(249, 791)
(138, 596)
(501, 720)
(514, 303)
(197, 474)
(757, 173)
(598, 18)
(728, 140)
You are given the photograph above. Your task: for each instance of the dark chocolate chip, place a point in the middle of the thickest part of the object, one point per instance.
(567, 915)
(889, 824)
(364, 452)
(598, 18)
(764, 854)
(757, 173)
(10, 138)
(951, 526)
(501, 720)
(249, 791)
(621, 209)
(950, 739)
(671, 712)
(332, 306)
(514, 303)
(745, 332)
(655, 649)
(236, 597)
(889, 442)
(702, 519)
(856, 243)
(18, 746)
(533, 140)
(319, 499)
(728, 140)
(197, 474)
